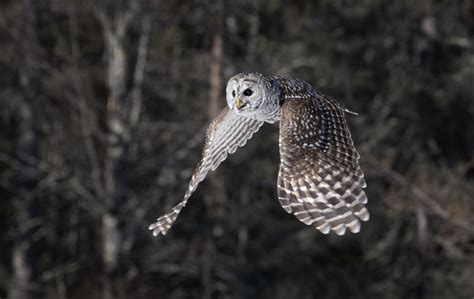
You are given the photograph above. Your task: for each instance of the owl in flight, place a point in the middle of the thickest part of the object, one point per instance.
(319, 180)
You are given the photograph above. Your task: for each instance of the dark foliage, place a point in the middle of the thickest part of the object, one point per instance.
(104, 105)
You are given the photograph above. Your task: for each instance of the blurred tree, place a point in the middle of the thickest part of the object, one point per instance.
(28, 242)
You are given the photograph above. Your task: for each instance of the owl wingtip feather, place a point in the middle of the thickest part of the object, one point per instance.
(157, 229)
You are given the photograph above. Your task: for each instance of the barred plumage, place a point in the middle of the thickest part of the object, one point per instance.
(319, 180)
(227, 132)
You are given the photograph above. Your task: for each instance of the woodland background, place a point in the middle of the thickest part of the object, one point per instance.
(103, 109)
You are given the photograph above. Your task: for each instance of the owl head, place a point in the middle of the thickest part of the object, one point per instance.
(251, 94)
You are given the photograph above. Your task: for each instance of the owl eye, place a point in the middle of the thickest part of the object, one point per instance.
(233, 93)
(248, 92)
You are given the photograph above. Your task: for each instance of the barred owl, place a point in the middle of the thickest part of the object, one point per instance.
(319, 180)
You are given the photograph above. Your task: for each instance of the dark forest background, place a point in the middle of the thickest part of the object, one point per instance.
(103, 109)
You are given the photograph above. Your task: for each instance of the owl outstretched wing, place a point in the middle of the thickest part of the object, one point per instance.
(320, 180)
(225, 134)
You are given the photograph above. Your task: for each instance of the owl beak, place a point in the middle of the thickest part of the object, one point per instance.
(238, 103)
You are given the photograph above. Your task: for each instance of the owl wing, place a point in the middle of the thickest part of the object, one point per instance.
(320, 180)
(225, 134)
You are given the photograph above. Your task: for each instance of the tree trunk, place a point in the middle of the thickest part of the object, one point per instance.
(215, 77)
(122, 115)
(215, 199)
